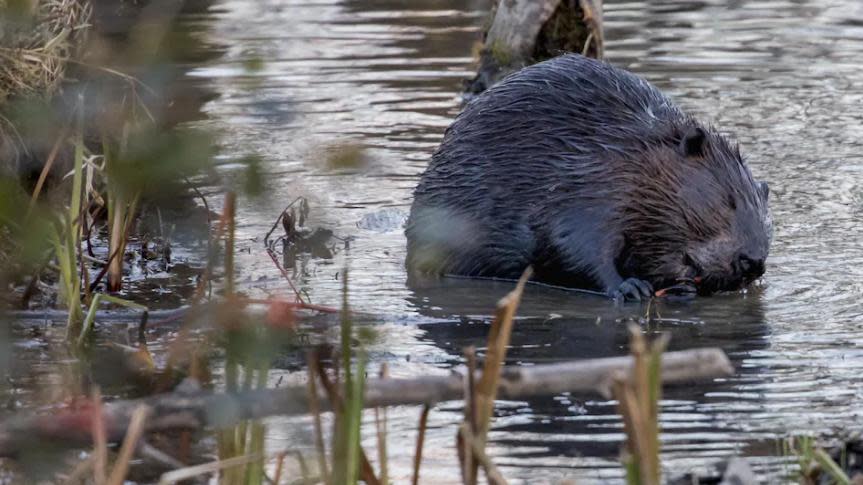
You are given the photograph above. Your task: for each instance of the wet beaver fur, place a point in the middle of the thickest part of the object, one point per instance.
(592, 176)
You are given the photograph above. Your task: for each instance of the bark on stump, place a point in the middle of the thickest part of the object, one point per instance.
(523, 32)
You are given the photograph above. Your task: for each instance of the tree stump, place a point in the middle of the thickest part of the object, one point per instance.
(523, 32)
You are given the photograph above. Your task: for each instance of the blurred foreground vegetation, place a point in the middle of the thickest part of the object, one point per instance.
(97, 173)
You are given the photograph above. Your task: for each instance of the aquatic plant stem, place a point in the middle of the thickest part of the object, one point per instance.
(421, 434)
(100, 440)
(477, 450)
(257, 432)
(90, 320)
(230, 214)
(466, 458)
(68, 235)
(381, 431)
(228, 444)
(638, 393)
(314, 407)
(487, 386)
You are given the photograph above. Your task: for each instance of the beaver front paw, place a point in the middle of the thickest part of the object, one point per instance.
(633, 289)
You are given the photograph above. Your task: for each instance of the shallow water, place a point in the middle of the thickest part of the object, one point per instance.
(299, 81)
(784, 77)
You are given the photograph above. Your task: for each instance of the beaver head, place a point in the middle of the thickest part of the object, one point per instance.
(694, 215)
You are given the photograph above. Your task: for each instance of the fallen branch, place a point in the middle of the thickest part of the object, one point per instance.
(198, 410)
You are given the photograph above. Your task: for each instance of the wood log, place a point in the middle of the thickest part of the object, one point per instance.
(68, 426)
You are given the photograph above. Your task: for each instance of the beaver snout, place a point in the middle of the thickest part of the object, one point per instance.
(750, 268)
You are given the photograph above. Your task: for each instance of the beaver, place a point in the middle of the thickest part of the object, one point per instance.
(592, 176)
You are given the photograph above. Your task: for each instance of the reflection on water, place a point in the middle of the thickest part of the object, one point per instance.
(784, 77)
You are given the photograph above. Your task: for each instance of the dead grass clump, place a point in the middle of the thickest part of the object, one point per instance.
(37, 38)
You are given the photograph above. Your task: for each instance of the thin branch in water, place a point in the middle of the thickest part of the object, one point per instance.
(284, 272)
(494, 476)
(150, 452)
(280, 463)
(206, 468)
(270, 246)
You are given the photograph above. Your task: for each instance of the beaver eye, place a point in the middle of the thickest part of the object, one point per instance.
(732, 203)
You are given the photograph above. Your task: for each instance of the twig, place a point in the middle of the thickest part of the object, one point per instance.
(49, 162)
(280, 463)
(211, 467)
(298, 305)
(278, 219)
(418, 455)
(285, 274)
(136, 429)
(491, 472)
(272, 253)
(149, 451)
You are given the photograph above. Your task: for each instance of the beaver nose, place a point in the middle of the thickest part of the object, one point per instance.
(750, 268)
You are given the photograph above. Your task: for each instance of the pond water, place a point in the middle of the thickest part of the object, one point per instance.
(300, 83)
(784, 77)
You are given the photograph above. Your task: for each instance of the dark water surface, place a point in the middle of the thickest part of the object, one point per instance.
(784, 77)
(299, 81)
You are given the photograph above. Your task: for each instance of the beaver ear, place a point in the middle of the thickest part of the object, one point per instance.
(692, 143)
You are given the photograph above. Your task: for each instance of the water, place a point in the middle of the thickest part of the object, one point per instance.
(784, 77)
(299, 81)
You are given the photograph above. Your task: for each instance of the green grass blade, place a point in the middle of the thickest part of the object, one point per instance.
(830, 467)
